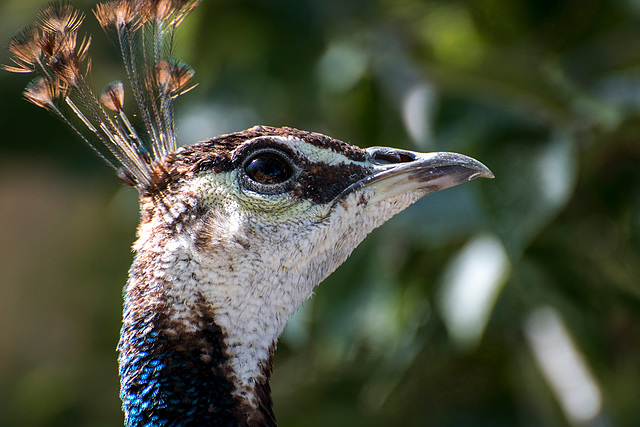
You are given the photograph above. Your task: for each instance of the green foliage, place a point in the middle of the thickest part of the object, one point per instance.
(440, 316)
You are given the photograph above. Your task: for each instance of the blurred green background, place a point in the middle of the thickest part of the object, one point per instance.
(508, 302)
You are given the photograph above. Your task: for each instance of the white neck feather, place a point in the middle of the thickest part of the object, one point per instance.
(254, 276)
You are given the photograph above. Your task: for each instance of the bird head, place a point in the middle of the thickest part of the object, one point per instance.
(268, 213)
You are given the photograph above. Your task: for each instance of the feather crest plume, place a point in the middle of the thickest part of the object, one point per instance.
(145, 31)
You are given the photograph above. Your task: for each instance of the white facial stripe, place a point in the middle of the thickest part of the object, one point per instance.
(318, 154)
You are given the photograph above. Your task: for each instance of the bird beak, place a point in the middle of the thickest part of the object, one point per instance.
(398, 172)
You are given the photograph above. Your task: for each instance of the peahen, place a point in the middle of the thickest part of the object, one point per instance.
(235, 231)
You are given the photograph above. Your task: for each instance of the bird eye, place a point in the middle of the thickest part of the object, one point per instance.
(268, 168)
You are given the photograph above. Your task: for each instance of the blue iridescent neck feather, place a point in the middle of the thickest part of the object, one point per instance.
(174, 374)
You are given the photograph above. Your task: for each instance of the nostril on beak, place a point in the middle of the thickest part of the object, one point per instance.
(386, 156)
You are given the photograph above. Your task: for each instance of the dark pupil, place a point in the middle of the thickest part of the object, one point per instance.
(268, 168)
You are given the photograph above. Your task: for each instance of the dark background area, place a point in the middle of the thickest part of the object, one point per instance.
(514, 301)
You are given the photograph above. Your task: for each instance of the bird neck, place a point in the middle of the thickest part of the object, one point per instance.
(185, 358)
(171, 375)
(209, 292)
